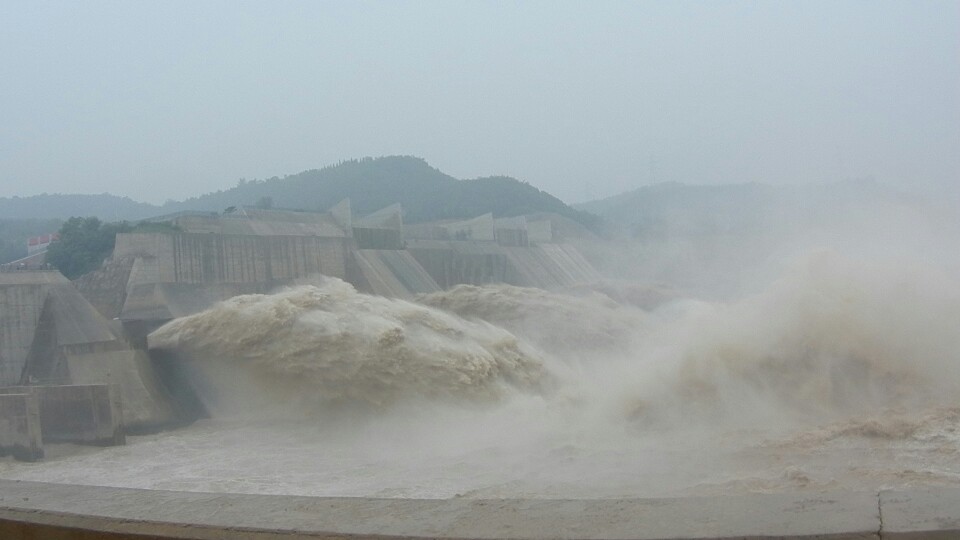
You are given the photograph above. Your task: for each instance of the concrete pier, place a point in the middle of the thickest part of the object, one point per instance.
(86, 414)
(83, 414)
(38, 510)
(20, 434)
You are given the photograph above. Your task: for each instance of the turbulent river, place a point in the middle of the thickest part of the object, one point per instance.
(839, 374)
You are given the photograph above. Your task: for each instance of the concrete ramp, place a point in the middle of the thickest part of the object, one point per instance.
(549, 266)
(532, 269)
(144, 402)
(76, 320)
(23, 295)
(392, 273)
(571, 262)
(106, 287)
(67, 324)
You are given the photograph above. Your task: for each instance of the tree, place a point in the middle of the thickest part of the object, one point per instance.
(84, 244)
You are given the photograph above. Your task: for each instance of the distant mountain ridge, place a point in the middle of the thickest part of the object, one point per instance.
(425, 193)
(105, 206)
(670, 209)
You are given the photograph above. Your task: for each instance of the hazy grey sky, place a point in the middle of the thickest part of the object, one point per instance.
(158, 100)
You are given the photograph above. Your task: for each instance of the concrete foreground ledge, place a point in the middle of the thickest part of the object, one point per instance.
(38, 510)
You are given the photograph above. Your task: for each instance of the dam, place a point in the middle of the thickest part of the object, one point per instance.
(467, 375)
(94, 330)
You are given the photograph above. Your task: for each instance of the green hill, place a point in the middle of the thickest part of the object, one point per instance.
(685, 210)
(373, 183)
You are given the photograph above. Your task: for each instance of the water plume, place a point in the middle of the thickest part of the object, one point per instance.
(580, 326)
(842, 349)
(331, 345)
(833, 336)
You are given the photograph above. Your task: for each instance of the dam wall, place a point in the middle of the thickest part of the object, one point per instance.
(547, 266)
(452, 262)
(374, 253)
(176, 274)
(209, 257)
(199, 258)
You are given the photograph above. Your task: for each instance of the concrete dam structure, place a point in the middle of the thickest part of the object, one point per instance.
(207, 257)
(58, 334)
(66, 373)
(50, 335)
(547, 452)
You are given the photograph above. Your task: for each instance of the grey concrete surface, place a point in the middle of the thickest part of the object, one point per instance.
(915, 515)
(930, 514)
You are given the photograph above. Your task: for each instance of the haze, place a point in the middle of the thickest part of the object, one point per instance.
(166, 100)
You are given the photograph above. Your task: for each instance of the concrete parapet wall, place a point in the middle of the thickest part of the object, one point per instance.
(220, 258)
(85, 414)
(20, 434)
(37, 510)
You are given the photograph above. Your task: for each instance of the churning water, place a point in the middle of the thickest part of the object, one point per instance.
(841, 373)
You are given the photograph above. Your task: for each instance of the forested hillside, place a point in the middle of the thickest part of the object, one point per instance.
(370, 183)
(62, 206)
(687, 210)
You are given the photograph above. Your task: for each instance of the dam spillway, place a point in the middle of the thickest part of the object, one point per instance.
(600, 422)
(93, 331)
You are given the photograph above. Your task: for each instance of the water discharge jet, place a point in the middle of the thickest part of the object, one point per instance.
(826, 379)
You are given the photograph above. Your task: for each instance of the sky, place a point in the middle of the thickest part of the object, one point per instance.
(169, 99)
